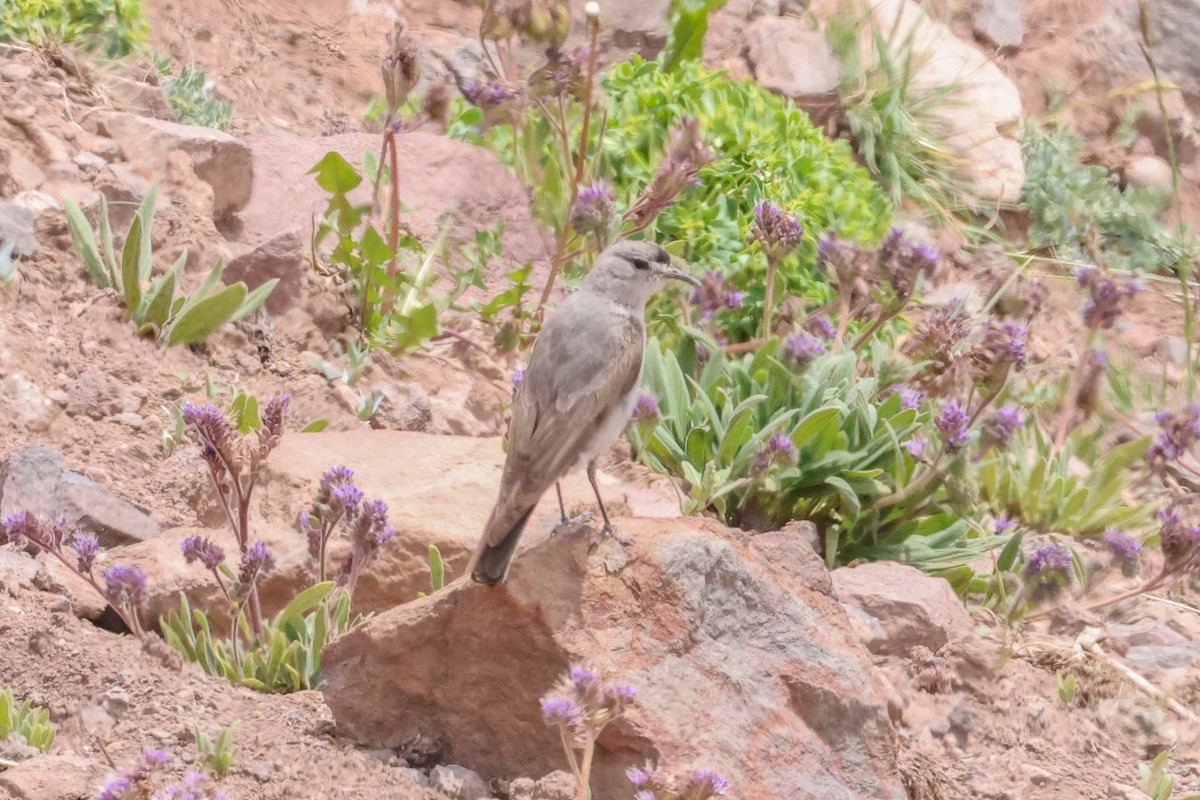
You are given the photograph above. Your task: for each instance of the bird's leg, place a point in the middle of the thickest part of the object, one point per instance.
(564, 520)
(609, 529)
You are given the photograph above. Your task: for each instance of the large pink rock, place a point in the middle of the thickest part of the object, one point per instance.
(741, 665)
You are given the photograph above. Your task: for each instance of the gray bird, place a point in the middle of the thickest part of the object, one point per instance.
(583, 380)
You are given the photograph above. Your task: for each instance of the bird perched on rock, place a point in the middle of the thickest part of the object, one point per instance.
(579, 390)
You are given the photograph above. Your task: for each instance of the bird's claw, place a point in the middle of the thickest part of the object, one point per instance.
(607, 531)
(571, 522)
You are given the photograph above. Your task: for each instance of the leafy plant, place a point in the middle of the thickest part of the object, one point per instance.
(1079, 215)
(437, 570)
(33, 724)
(1157, 781)
(215, 755)
(286, 656)
(1066, 688)
(190, 93)
(891, 118)
(1082, 489)
(115, 28)
(156, 311)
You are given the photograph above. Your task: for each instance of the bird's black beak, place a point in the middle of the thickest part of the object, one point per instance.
(680, 275)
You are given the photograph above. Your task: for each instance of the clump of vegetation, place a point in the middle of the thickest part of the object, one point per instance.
(1079, 215)
(191, 94)
(147, 778)
(32, 724)
(113, 28)
(158, 310)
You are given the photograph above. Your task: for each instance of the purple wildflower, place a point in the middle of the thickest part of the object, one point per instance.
(21, 528)
(86, 546)
(1177, 539)
(903, 263)
(271, 432)
(1125, 549)
(124, 585)
(820, 327)
(910, 399)
(194, 786)
(255, 561)
(801, 349)
(346, 499)
(1003, 525)
(198, 548)
(500, 104)
(582, 677)
(646, 409)
(1179, 431)
(640, 777)
(1105, 298)
(686, 154)
(1053, 558)
(116, 788)
(952, 425)
(704, 783)
(620, 693)
(778, 451)
(998, 427)
(778, 231)
(593, 210)
(215, 433)
(712, 295)
(518, 377)
(559, 710)
(917, 447)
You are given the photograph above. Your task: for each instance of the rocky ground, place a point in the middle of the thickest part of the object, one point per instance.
(749, 656)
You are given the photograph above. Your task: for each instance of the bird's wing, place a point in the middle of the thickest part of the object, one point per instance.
(585, 361)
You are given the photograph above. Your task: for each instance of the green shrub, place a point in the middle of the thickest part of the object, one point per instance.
(1077, 214)
(190, 93)
(31, 723)
(115, 28)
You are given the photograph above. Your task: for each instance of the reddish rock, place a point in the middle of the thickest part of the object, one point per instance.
(283, 257)
(53, 777)
(740, 664)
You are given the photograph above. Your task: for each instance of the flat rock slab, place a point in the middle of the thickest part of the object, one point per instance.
(740, 665)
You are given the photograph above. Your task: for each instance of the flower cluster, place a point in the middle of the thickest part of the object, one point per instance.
(902, 264)
(1178, 433)
(1178, 539)
(910, 399)
(500, 104)
(713, 295)
(562, 75)
(936, 344)
(581, 704)
(1048, 571)
(138, 782)
(951, 423)
(820, 327)
(686, 155)
(800, 349)
(1003, 348)
(646, 413)
(594, 210)
(653, 784)
(1125, 549)
(777, 232)
(256, 561)
(998, 427)
(198, 548)
(779, 451)
(1106, 297)
(340, 502)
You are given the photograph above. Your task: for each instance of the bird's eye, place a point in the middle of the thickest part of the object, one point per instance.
(641, 263)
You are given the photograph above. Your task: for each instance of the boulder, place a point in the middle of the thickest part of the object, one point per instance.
(220, 160)
(53, 777)
(740, 665)
(979, 121)
(282, 256)
(788, 55)
(998, 22)
(911, 608)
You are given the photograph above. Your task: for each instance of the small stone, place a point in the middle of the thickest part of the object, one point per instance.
(35, 412)
(1119, 791)
(15, 73)
(1148, 172)
(558, 785)
(258, 770)
(998, 22)
(129, 420)
(90, 162)
(521, 789)
(458, 782)
(17, 228)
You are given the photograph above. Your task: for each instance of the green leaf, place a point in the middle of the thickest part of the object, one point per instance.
(335, 174)
(145, 214)
(84, 240)
(305, 601)
(1008, 556)
(130, 283)
(437, 569)
(201, 320)
(255, 299)
(316, 426)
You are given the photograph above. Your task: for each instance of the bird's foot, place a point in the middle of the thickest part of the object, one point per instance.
(610, 530)
(571, 522)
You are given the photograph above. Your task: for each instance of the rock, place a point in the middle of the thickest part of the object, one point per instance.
(558, 785)
(282, 257)
(17, 229)
(789, 56)
(998, 22)
(17, 571)
(35, 480)
(458, 782)
(1157, 657)
(53, 777)
(1119, 791)
(98, 395)
(140, 98)
(1148, 172)
(90, 162)
(32, 409)
(114, 520)
(440, 176)
(636, 25)
(1144, 632)
(220, 160)
(1176, 39)
(26, 176)
(739, 664)
(405, 407)
(15, 73)
(979, 122)
(521, 789)
(37, 202)
(913, 608)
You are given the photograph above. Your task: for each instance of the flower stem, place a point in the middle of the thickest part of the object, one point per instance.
(585, 771)
(769, 301)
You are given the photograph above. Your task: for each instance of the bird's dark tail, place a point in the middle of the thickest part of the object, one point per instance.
(490, 562)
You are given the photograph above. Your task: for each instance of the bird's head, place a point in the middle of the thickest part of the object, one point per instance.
(631, 272)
